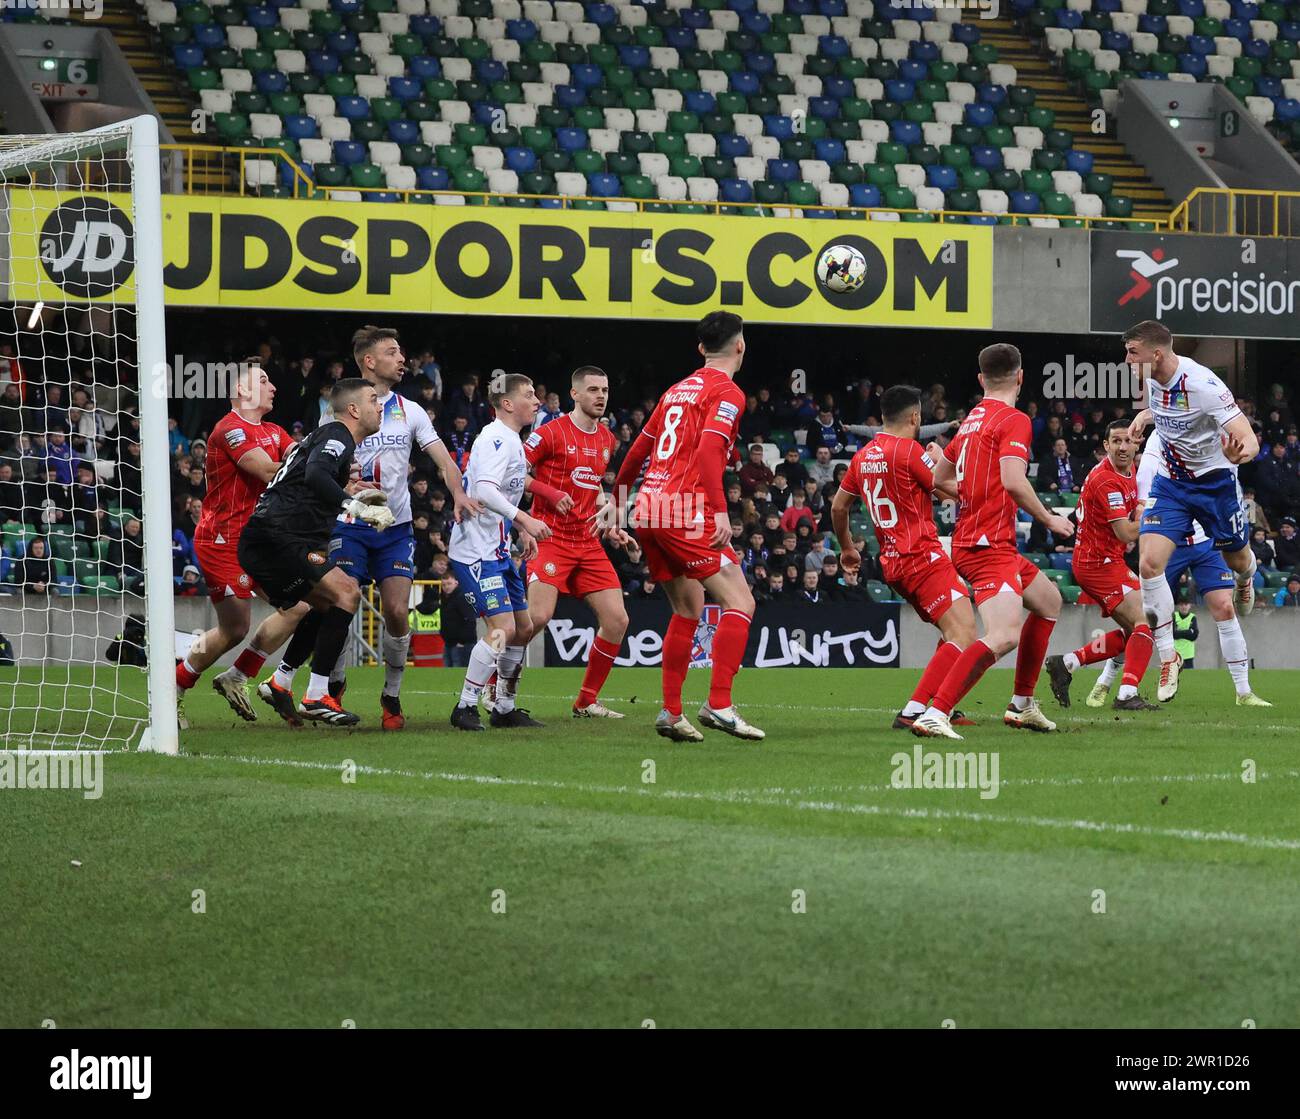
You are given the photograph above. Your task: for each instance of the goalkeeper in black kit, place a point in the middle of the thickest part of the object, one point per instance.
(285, 545)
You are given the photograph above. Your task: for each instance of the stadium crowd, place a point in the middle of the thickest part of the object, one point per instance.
(71, 481)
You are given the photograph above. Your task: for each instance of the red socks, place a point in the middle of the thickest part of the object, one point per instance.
(966, 671)
(935, 672)
(728, 651)
(1111, 645)
(1034, 636)
(599, 661)
(186, 677)
(250, 663)
(677, 656)
(1137, 654)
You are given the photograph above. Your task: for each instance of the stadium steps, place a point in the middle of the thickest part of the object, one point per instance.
(125, 20)
(1036, 70)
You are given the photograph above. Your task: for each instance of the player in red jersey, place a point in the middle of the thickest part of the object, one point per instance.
(989, 457)
(567, 458)
(1108, 513)
(244, 452)
(895, 478)
(682, 523)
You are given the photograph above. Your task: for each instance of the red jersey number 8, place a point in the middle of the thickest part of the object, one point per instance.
(667, 444)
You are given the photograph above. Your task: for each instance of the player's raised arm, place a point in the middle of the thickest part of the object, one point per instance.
(944, 474)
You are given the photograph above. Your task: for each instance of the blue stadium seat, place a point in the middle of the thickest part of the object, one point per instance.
(990, 94)
(424, 26)
(521, 30)
(745, 82)
(782, 128)
(602, 15)
(830, 150)
(304, 128)
(1079, 161)
(942, 176)
(981, 116)
(761, 63)
(209, 35)
(433, 178)
(832, 46)
(783, 171)
(898, 90)
(983, 156)
(601, 184)
(187, 55)
(866, 195)
(349, 152)
(696, 19)
(521, 160)
(342, 42)
(735, 190)
(403, 131)
(733, 147)
(905, 132)
(827, 108)
(634, 56)
(270, 81)
(423, 67)
(351, 107)
(489, 70)
(586, 75)
(571, 139)
(569, 96)
(700, 102)
(323, 63)
(404, 89)
(680, 38)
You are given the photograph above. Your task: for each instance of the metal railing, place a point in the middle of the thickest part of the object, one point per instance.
(192, 168)
(1235, 212)
(367, 629)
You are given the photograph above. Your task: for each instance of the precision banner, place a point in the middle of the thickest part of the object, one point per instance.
(1230, 287)
(314, 255)
(842, 635)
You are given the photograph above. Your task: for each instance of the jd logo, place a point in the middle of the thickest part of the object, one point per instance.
(87, 247)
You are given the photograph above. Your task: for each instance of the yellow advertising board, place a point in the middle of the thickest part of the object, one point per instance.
(313, 255)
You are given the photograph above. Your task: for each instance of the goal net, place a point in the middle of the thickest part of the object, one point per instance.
(86, 611)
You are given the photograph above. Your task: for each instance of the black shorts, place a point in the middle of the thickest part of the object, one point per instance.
(285, 568)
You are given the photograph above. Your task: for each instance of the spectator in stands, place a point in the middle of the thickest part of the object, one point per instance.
(1254, 513)
(792, 469)
(85, 500)
(58, 458)
(11, 415)
(459, 624)
(936, 396)
(441, 518)
(755, 552)
(550, 409)
(11, 494)
(816, 554)
(467, 404)
(1047, 440)
(775, 586)
(1277, 482)
(459, 441)
(1277, 401)
(177, 443)
(798, 512)
(421, 497)
(1286, 548)
(1260, 546)
(297, 397)
(810, 593)
(194, 510)
(828, 581)
(772, 530)
(36, 574)
(732, 494)
(754, 472)
(648, 590)
(192, 584)
(1186, 632)
(1077, 439)
(779, 492)
(1292, 446)
(629, 562)
(1037, 421)
(825, 431)
(129, 475)
(182, 552)
(864, 408)
(793, 575)
(820, 469)
(1062, 472)
(1290, 594)
(126, 556)
(754, 425)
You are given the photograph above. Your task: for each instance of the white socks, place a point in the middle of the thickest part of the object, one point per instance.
(913, 709)
(1110, 670)
(1072, 662)
(509, 666)
(395, 651)
(482, 663)
(1159, 600)
(318, 687)
(284, 676)
(1020, 702)
(1248, 576)
(1127, 691)
(1233, 644)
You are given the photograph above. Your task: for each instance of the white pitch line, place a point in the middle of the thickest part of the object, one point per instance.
(1193, 834)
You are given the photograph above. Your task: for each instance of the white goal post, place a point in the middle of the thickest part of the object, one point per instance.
(82, 275)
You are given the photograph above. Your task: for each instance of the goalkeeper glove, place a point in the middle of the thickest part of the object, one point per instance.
(371, 506)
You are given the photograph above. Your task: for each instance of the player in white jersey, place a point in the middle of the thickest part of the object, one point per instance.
(1203, 436)
(1214, 580)
(480, 556)
(386, 558)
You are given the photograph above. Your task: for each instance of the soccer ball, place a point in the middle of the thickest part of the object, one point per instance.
(841, 268)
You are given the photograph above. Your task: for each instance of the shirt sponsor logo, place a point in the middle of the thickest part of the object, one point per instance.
(492, 583)
(585, 478)
(1116, 500)
(1020, 446)
(236, 437)
(727, 410)
(534, 440)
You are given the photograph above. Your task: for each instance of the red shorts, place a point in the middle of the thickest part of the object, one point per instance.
(671, 552)
(572, 568)
(996, 570)
(932, 590)
(221, 570)
(1107, 584)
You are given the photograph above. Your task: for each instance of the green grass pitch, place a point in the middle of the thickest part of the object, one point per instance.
(675, 901)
